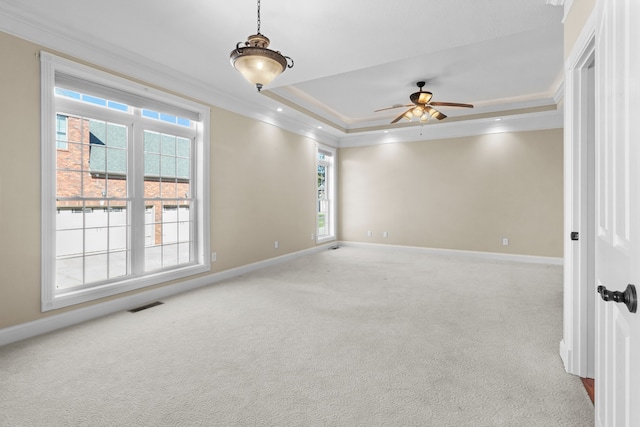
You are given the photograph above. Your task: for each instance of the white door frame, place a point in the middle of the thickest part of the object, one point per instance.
(577, 348)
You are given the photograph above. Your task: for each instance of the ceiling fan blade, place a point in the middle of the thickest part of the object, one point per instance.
(451, 104)
(392, 108)
(435, 113)
(397, 119)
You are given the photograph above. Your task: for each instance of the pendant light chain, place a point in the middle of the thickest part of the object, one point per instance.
(258, 16)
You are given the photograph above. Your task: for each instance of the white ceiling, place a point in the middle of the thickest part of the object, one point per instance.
(351, 57)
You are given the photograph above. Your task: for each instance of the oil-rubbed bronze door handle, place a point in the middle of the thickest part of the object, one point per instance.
(628, 297)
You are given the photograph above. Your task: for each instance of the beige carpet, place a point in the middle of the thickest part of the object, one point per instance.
(349, 337)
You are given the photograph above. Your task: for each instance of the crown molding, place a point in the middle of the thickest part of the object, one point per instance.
(566, 4)
(551, 119)
(15, 21)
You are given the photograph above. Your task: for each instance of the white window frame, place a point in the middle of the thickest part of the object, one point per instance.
(52, 65)
(331, 192)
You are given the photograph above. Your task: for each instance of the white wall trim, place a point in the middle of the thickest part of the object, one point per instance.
(453, 252)
(69, 318)
(573, 347)
(558, 96)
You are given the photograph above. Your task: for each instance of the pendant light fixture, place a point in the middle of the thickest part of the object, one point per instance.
(258, 64)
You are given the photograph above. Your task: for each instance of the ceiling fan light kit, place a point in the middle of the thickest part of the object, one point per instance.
(422, 106)
(256, 62)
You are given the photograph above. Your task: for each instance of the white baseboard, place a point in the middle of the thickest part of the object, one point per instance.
(452, 252)
(69, 318)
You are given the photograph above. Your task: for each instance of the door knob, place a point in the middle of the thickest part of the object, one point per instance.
(628, 297)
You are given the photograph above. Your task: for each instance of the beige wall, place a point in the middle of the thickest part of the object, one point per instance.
(19, 182)
(464, 193)
(262, 190)
(262, 187)
(575, 21)
(459, 193)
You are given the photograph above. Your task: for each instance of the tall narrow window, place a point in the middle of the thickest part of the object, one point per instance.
(125, 199)
(326, 194)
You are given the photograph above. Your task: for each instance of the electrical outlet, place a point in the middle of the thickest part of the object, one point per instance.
(213, 256)
(313, 236)
(369, 234)
(276, 245)
(385, 234)
(505, 241)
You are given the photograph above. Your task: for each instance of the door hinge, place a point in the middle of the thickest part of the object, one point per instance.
(575, 235)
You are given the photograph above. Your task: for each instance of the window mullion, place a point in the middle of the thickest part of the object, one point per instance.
(136, 199)
(193, 206)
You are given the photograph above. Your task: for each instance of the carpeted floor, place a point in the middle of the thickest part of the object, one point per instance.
(349, 337)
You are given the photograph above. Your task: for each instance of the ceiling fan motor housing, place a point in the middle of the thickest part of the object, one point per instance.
(423, 107)
(421, 97)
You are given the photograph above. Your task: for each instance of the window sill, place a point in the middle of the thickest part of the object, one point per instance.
(73, 297)
(326, 239)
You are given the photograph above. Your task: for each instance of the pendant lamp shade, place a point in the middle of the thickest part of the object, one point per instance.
(256, 62)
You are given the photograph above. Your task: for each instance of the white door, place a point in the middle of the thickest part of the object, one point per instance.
(618, 210)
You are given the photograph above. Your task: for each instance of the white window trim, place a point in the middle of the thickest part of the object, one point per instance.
(331, 192)
(50, 64)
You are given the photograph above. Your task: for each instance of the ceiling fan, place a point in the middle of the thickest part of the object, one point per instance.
(422, 106)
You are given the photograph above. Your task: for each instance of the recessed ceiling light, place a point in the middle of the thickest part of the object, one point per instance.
(386, 131)
(498, 119)
(319, 127)
(279, 109)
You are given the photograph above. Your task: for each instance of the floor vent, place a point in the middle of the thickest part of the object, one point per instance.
(333, 248)
(144, 307)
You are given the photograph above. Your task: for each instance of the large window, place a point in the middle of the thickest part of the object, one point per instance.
(124, 185)
(326, 194)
